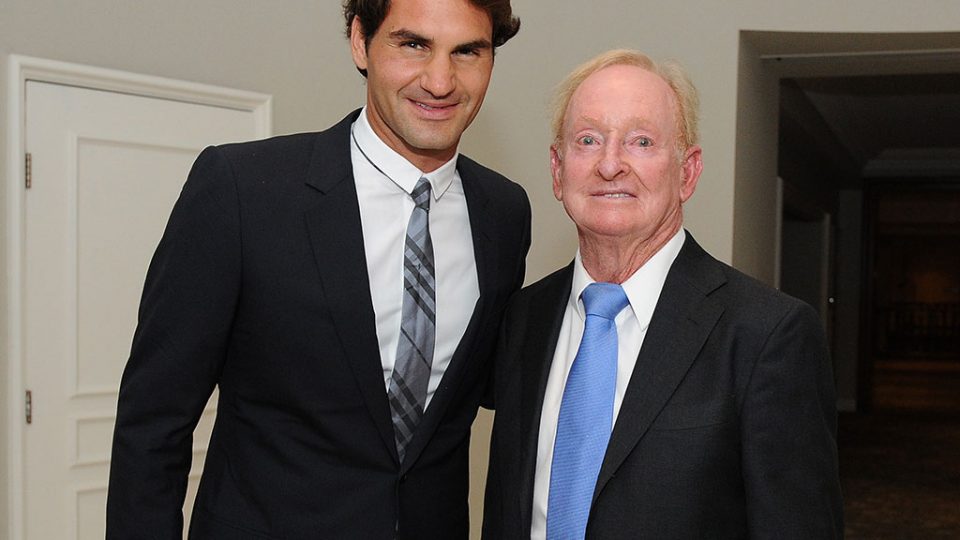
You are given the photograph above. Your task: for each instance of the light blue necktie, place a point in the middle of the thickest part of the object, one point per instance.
(586, 415)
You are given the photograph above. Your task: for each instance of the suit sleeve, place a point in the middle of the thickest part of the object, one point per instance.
(186, 312)
(789, 423)
(524, 243)
(487, 401)
(492, 524)
(493, 517)
(493, 500)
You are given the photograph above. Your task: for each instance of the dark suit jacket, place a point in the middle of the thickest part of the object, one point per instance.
(727, 428)
(259, 286)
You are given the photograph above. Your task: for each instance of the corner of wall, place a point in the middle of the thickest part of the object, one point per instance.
(755, 165)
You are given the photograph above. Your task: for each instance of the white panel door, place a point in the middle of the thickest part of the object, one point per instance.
(107, 168)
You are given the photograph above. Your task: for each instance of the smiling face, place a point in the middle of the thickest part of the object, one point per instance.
(428, 67)
(618, 168)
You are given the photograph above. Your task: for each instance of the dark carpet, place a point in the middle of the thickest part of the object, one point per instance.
(900, 464)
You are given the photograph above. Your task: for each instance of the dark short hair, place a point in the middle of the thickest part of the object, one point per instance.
(372, 13)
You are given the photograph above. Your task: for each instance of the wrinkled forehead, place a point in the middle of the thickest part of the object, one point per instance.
(622, 94)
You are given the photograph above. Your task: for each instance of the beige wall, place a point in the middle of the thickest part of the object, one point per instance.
(295, 51)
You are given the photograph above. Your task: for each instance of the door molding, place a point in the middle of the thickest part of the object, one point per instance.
(20, 70)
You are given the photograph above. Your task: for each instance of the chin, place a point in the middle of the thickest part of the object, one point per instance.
(610, 230)
(438, 143)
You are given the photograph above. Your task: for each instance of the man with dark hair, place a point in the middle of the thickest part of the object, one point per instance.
(342, 289)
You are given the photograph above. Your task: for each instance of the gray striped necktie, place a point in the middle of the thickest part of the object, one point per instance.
(408, 384)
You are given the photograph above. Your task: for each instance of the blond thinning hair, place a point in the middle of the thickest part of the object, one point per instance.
(688, 102)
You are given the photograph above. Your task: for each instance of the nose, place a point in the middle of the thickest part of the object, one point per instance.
(439, 77)
(611, 164)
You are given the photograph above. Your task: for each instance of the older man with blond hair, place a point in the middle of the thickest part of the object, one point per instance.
(648, 390)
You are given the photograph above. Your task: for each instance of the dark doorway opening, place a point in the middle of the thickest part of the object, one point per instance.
(871, 143)
(913, 305)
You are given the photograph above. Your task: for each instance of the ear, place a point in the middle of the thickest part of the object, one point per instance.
(358, 45)
(690, 169)
(556, 161)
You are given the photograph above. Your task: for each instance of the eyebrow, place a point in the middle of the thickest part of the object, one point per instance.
(410, 35)
(634, 121)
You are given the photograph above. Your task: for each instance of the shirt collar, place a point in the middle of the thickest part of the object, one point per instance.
(642, 288)
(394, 166)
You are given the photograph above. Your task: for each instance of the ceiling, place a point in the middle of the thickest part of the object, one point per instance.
(879, 126)
(859, 106)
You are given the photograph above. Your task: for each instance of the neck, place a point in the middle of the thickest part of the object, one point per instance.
(614, 259)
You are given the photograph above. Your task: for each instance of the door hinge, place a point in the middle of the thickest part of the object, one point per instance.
(28, 170)
(28, 407)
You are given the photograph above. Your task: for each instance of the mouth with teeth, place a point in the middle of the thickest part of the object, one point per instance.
(426, 107)
(435, 111)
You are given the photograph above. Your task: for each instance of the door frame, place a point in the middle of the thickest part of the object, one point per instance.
(20, 70)
(813, 211)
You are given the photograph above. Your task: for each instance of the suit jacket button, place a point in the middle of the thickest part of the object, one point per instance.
(403, 479)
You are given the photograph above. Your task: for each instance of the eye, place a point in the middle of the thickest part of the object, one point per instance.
(474, 49)
(587, 140)
(415, 45)
(643, 142)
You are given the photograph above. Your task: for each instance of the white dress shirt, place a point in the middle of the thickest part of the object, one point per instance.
(384, 182)
(643, 290)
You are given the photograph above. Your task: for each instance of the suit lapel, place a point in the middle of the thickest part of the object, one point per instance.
(681, 323)
(484, 249)
(336, 236)
(486, 256)
(544, 318)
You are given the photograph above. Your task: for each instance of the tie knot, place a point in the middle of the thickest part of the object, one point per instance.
(604, 300)
(421, 194)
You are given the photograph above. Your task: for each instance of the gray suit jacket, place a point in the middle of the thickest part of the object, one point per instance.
(727, 429)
